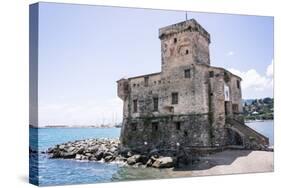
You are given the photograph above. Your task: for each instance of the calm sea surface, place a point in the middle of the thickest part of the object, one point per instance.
(59, 171)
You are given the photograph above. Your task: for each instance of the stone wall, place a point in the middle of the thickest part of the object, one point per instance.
(185, 130)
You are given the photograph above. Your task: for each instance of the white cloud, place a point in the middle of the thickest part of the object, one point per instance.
(269, 70)
(230, 53)
(254, 84)
(252, 79)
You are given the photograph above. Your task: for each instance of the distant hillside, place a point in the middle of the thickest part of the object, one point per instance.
(258, 109)
(248, 101)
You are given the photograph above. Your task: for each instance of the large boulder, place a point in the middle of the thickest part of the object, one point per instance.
(70, 149)
(163, 162)
(50, 150)
(79, 150)
(92, 158)
(107, 154)
(68, 155)
(78, 157)
(103, 148)
(61, 147)
(143, 159)
(149, 163)
(108, 158)
(113, 149)
(99, 154)
(121, 158)
(134, 159)
(93, 149)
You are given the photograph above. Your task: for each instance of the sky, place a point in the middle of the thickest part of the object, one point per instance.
(84, 50)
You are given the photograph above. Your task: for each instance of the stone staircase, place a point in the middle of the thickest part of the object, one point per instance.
(251, 138)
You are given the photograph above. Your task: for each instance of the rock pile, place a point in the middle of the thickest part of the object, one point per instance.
(107, 150)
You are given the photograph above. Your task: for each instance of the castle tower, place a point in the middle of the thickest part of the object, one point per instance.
(189, 102)
(182, 44)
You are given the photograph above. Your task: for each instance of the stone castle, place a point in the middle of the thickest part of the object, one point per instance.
(189, 103)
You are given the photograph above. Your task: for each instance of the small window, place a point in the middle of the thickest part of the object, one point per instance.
(134, 126)
(186, 52)
(155, 104)
(178, 125)
(175, 99)
(187, 73)
(146, 81)
(135, 105)
(155, 126)
(134, 85)
(211, 74)
(238, 84)
(185, 133)
(175, 40)
(235, 108)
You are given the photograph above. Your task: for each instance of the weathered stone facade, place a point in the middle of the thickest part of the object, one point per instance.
(188, 103)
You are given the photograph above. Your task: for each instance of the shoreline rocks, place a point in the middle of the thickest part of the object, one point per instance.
(108, 150)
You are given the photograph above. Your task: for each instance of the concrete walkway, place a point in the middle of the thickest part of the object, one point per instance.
(230, 162)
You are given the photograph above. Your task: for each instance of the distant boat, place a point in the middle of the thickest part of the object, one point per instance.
(259, 120)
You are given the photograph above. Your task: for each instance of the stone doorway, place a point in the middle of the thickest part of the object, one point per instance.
(234, 138)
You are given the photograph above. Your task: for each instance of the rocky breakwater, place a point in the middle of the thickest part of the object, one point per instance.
(108, 150)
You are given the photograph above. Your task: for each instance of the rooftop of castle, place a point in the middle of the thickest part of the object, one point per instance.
(187, 25)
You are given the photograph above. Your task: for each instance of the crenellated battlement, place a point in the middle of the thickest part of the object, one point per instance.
(186, 26)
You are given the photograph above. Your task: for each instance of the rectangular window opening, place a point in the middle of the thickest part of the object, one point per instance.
(235, 108)
(134, 126)
(175, 99)
(178, 125)
(155, 126)
(211, 74)
(135, 105)
(146, 81)
(155, 104)
(187, 73)
(238, 84)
